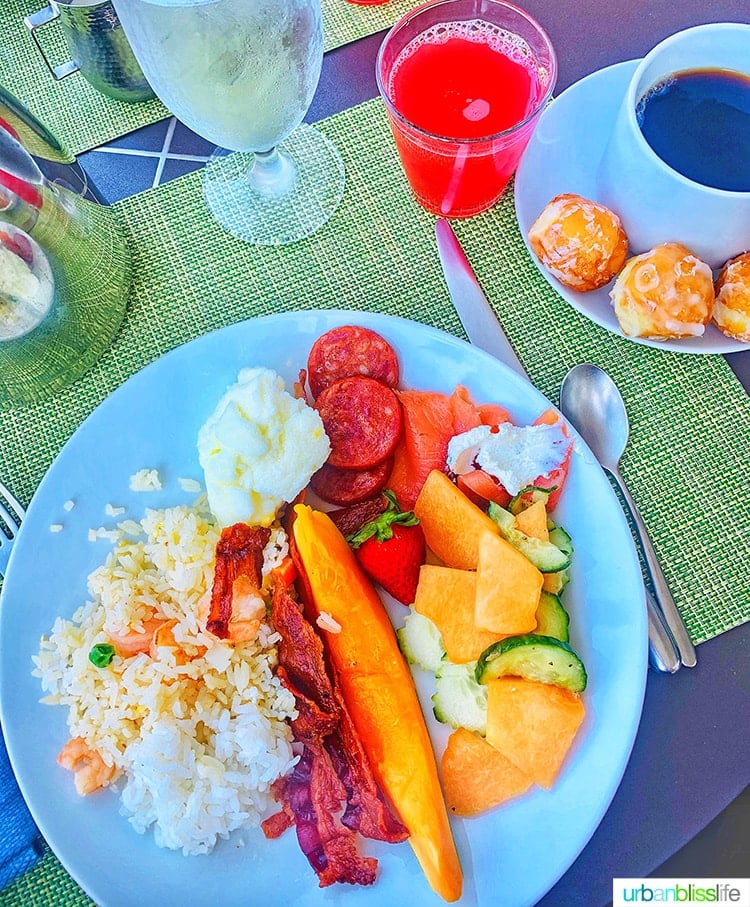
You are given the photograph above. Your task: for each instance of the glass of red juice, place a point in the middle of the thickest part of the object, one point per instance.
(464, 83)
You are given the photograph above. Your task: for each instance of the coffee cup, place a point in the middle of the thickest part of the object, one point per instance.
(657, 202)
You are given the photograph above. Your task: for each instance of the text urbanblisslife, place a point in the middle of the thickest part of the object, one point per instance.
(637, 891)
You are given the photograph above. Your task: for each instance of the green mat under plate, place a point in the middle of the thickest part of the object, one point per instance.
(81, 117)
(687, 458)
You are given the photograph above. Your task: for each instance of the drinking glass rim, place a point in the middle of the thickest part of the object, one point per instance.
(632, 101)
(474, 140)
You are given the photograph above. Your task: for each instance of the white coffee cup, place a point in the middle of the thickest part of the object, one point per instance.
(656, 203)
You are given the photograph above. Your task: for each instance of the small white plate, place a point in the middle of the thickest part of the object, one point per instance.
(512, 855)
(563, 156)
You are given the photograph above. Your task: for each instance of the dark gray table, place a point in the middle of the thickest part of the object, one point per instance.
(691, 758)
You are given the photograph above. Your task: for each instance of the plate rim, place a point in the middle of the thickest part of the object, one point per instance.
(329, 316)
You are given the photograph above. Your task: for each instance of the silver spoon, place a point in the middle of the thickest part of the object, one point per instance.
(593, 404)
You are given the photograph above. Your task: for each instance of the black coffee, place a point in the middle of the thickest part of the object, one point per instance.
(698, 122)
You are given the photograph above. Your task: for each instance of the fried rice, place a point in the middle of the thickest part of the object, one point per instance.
(197, 733)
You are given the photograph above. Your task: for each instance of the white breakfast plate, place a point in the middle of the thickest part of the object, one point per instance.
(563, 156)
(511, 856)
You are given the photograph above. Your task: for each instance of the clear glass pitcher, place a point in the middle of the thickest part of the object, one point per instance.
(64, 262)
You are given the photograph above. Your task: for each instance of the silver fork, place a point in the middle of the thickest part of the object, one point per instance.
(11, 514)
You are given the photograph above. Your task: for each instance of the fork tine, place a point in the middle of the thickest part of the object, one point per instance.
(15, 505)
(10, 520)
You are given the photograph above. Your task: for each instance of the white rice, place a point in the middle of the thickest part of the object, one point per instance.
(145, 480)
(198, 744)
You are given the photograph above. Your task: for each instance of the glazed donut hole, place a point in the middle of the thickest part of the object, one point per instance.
(579, 241)
(663, 294)
(732, 306)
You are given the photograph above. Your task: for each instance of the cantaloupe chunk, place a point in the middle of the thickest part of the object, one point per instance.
(533, 521)
(451, 523)
(476, 776)
(533, 724)
(447, 597)
(508, 588)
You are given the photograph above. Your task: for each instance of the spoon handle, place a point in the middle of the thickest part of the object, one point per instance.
(662, 649)
(663, 595)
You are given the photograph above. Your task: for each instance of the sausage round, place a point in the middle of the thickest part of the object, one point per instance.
(350, 350)
(363, 421)
(344, 487)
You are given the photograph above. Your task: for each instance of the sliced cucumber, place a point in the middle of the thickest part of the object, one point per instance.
(504, 518)
(458, 699)
(551, 618)
(528, 496)
(558, 536)
(420, 641)
(533, 657)
(556, 582)
(545, 556)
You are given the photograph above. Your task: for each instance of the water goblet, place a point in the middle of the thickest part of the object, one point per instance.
(242, 74)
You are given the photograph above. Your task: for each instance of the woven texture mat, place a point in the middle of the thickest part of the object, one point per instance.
(687, 459)
(80, 116)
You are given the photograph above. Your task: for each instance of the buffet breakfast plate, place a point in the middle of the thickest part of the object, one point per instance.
(512, 855)
(563, 156)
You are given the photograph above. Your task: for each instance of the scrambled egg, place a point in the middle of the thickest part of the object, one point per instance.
(259, 449)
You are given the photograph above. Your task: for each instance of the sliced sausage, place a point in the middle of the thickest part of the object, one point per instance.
(352, 518)
(363, 421)
(350, 486)
(351, 350)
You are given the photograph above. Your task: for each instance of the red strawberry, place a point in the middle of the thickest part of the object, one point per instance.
(391, 549)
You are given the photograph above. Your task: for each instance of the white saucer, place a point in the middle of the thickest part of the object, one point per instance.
(563, 156)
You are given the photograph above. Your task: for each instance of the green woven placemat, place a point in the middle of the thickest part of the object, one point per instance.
(687, 459)
(81, 117)
(344, 22)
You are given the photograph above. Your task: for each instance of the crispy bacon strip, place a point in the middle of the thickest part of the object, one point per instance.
(239, 552)
(351, 519)
(333, 771)
(301, 652)
(314, 794)
(312, 725)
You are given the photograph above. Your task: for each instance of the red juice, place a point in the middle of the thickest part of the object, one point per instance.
(463, 85)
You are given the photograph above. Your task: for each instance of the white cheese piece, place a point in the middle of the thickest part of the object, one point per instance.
(515, 455)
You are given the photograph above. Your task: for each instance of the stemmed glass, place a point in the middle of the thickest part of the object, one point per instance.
(242, 74)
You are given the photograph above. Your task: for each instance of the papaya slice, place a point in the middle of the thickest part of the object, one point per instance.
(379, 693)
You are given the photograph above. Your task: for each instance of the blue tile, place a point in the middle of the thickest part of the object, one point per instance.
(117, 176)
(147, 138)
(174, 168)
(185, 141)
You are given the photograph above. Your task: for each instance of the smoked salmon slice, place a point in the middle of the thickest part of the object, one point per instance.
(431, 419)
